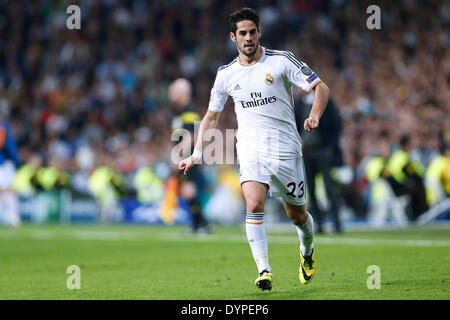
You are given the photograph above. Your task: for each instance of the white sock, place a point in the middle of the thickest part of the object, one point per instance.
(257, 238)
(306, 236)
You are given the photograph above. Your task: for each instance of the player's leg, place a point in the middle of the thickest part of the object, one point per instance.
(255, 196)
(304, 224)
(289, 183)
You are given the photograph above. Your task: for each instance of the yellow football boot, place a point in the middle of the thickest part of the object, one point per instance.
(264, 280)
(307, 268)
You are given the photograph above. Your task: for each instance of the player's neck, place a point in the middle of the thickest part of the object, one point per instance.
(246, 61)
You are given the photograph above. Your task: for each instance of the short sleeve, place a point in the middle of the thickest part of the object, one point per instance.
(299, 74)
(219, 94)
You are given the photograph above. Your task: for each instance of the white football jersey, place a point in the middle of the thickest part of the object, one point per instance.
(264, 103)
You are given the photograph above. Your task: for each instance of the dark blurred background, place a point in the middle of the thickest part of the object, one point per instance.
(80, 99)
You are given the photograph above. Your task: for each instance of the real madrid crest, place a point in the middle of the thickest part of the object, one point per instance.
(269, 79)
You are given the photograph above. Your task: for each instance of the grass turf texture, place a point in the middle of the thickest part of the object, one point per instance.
(148, 262)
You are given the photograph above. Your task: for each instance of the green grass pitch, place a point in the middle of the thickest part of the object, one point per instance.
(150, 262)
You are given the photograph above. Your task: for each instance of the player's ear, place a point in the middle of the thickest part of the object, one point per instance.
(232, 37)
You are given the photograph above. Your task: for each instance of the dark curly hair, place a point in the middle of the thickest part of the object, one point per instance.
(243, 14)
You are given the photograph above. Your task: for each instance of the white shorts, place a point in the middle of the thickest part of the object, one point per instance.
(7, 174)
(285, 178)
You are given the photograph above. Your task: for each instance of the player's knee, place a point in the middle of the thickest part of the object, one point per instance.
(298, 219)
(255, 205)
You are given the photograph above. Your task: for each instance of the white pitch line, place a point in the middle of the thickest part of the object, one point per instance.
(392, 242)
(320, 240)
(120, 236)
(72, 234)
(104, 235)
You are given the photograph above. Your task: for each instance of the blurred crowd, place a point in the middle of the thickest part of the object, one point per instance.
(79, 99)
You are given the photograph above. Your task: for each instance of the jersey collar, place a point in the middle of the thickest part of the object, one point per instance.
(262, 52)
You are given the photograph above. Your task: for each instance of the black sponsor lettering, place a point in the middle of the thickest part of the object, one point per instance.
(259, 102)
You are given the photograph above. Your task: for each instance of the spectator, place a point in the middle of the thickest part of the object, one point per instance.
(320, 153)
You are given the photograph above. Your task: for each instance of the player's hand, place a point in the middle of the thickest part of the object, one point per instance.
(311, 124)
(186, 164)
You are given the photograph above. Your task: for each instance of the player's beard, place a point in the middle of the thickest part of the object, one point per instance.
(251, 53)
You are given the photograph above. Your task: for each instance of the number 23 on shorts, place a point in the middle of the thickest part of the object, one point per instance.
(293, 186)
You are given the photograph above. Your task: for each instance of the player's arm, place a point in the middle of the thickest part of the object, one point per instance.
(320, 101)
(209, 121)
(219, 95)
(298, 73)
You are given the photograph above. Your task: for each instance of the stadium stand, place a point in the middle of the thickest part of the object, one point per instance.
(98, 96)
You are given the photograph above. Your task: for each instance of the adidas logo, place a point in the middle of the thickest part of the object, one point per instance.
(237, 87)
